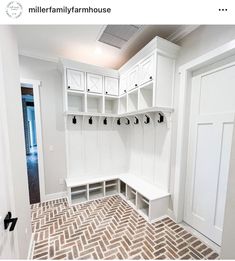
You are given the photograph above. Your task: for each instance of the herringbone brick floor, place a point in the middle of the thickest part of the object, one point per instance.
(109, 228)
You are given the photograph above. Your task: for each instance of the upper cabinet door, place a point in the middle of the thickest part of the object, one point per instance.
(147, 69)
(133, 78)
(75, 80)
(111, 86)
(94, 83)
(123, 84)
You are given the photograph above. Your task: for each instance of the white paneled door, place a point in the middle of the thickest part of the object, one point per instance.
(210, 138)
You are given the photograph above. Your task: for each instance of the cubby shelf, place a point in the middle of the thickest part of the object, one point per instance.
(149, 201)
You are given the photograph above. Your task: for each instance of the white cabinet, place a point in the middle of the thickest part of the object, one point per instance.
(133, 78)
(75, 80)
(94, 83)
(123, 84)
(146, 69)
(111, 86)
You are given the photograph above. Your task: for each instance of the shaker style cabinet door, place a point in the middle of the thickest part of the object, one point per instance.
(123, 84)
(147, 69)
(94, 83)
(133, 78)
(111, 86)
(75, 80)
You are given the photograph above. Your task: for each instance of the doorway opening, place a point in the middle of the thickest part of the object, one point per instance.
(31, 146)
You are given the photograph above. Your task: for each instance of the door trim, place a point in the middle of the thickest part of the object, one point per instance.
(185, 72)
(35, 84)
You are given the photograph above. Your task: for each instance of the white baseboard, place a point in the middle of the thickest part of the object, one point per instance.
(31, 247)
(58, 195)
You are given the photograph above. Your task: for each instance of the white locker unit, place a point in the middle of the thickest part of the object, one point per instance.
(111, 86)
(94, 83)
(120, 143)
(75, 80)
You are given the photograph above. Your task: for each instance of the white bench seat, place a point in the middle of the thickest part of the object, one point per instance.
(150, 201)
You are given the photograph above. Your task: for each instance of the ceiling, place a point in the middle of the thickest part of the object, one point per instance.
(79, 42)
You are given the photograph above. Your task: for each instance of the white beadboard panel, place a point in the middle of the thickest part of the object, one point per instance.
(148, 162)
(136, 145)
(149, 152)
(96, 149)
(162, 156)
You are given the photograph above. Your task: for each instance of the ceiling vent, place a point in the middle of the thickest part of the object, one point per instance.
(118, 35)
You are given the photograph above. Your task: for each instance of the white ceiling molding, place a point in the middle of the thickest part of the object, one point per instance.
(181, 32)
(38, 56)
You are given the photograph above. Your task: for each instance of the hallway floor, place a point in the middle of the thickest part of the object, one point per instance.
(109, 228)
(33, 178)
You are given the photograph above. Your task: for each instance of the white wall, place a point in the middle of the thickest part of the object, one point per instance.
(53, 134)
(199, 42)
(15, 147)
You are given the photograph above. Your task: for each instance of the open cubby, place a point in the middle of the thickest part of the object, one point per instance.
(123, 104)
(111, 105)
(146, 97)
(143, 204)
(133, 101)
(131, 195)
(94, 103)
(78, 188)
(123, 188)
(95, 186)
(79, 194)
(76, 102)
(96, 190)
(111, 187)
(95, 194)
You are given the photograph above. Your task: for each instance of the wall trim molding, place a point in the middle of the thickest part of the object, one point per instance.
(31, 247)
(38, 56)
(36, 84)
(58, 195)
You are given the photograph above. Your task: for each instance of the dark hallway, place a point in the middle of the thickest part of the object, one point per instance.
(31, 144)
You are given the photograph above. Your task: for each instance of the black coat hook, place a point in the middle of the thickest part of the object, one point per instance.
(147, 121)
(119, 121)
(136, 120)
(90, 120)
(127, 121)
(74, 120)
(105, 121)
(161, 118)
